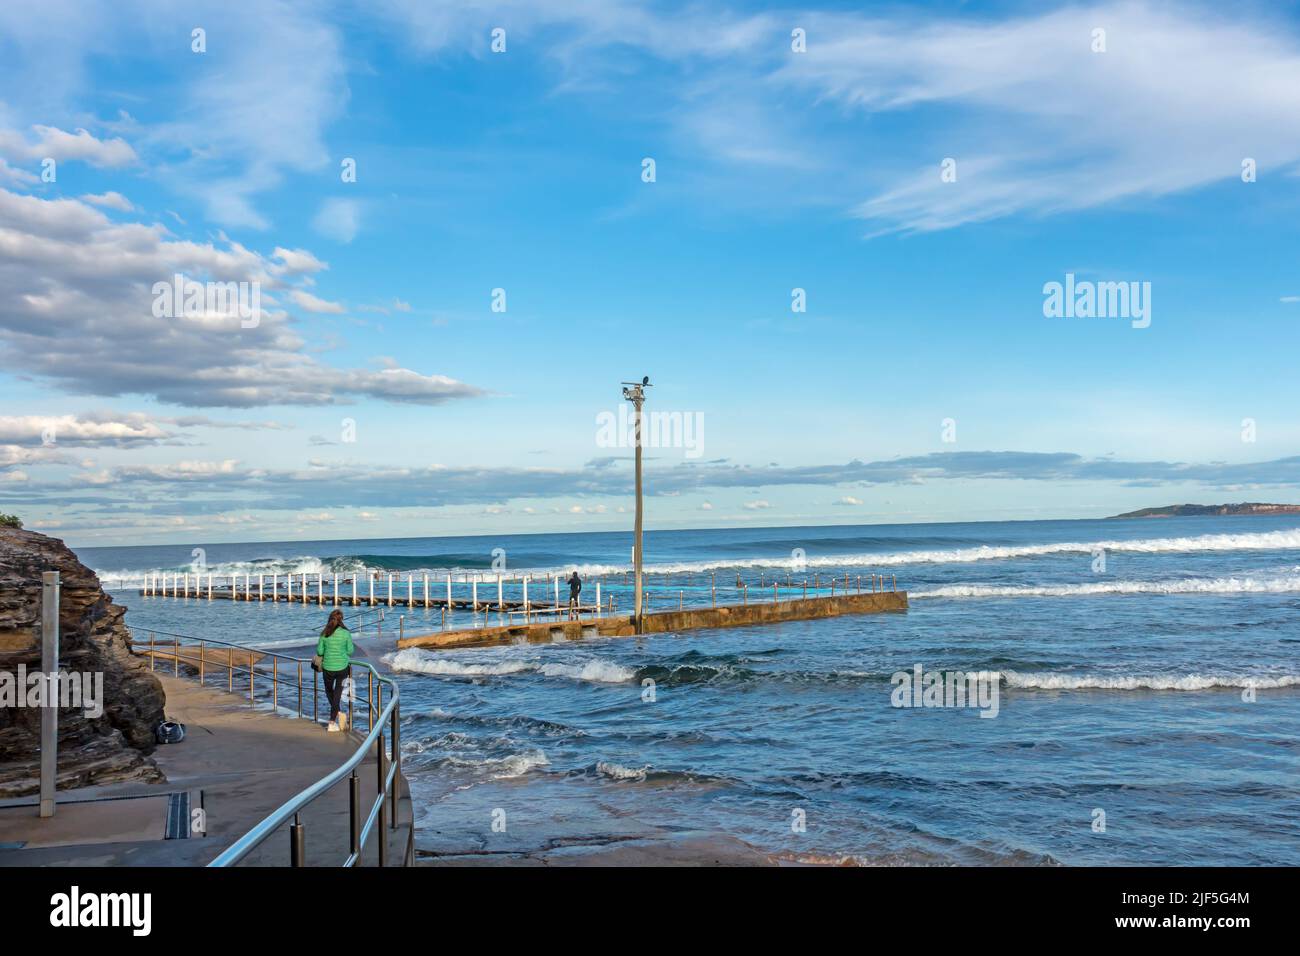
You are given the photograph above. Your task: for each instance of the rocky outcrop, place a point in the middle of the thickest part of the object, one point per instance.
(92, 639)
(1184, 511)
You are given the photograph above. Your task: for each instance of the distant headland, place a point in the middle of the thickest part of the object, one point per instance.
(1182, 511)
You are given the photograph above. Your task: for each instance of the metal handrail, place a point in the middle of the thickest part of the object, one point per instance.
(389, 768)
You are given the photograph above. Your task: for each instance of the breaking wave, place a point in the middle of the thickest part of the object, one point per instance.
(596, 671)
(349, 564)
(1054, 681)
(1231, 585)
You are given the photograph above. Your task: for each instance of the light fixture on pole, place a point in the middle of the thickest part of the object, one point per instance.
(634, 392)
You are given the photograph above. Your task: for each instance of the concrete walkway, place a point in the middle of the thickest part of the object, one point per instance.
(246, 763)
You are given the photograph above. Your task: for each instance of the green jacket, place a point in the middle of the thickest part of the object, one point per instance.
(336, 649)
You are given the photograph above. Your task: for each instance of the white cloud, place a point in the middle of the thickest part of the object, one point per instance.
(16, 176)
(338, 219)
(297, 261)
(314, 304)
(758, 505)
(76, 308)
(110, 200)
(849, 501)
(62, 146)
(81, 430)
(1039, 123)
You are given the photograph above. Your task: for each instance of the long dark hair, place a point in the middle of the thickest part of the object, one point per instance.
(334, 623)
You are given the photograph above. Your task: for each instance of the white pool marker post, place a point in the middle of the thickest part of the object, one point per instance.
(336, 589)
(275, 588)
(320, 588)
(426, 589)
(473, 596)
(501, 601)
(525, 583)
(557, 595)
(371, 600)
(598, 599)
(261, 592)
(390, 590)
(355, 599)
(209, 587)
(449, 594)
(410, 589)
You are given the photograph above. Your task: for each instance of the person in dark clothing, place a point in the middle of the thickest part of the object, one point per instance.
(575, 588)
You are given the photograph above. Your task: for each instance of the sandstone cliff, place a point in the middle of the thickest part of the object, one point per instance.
(93, 638)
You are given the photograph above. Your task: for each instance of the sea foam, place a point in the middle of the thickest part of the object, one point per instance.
(596, 671)
(1280, 584)
(1055, 681)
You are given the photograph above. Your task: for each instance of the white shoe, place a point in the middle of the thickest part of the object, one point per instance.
(343, 720)
(333, 728)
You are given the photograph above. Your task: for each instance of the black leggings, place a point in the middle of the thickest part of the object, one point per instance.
(334, 689)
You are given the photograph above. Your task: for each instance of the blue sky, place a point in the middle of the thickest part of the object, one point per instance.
(522, 170)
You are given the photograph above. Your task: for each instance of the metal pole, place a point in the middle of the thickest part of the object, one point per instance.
(354, 816)
(395, 735)
(297, 842)
(50, 588)
(382, 827)
(637, 619)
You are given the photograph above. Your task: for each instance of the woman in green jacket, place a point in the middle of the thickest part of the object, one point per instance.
(335, 649)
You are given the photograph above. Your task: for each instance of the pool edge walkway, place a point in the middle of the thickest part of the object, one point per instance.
(246, 762)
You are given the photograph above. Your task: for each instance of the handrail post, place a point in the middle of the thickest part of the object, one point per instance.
(230, 670)
(300, 688)
(251, 701)
(297, 842)
(202, 659)
(354, 815)
(383, 804)
(275, 682)
(176, 657)
(395, 736)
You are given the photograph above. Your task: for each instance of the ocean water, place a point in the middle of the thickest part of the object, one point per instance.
(1148, 678)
